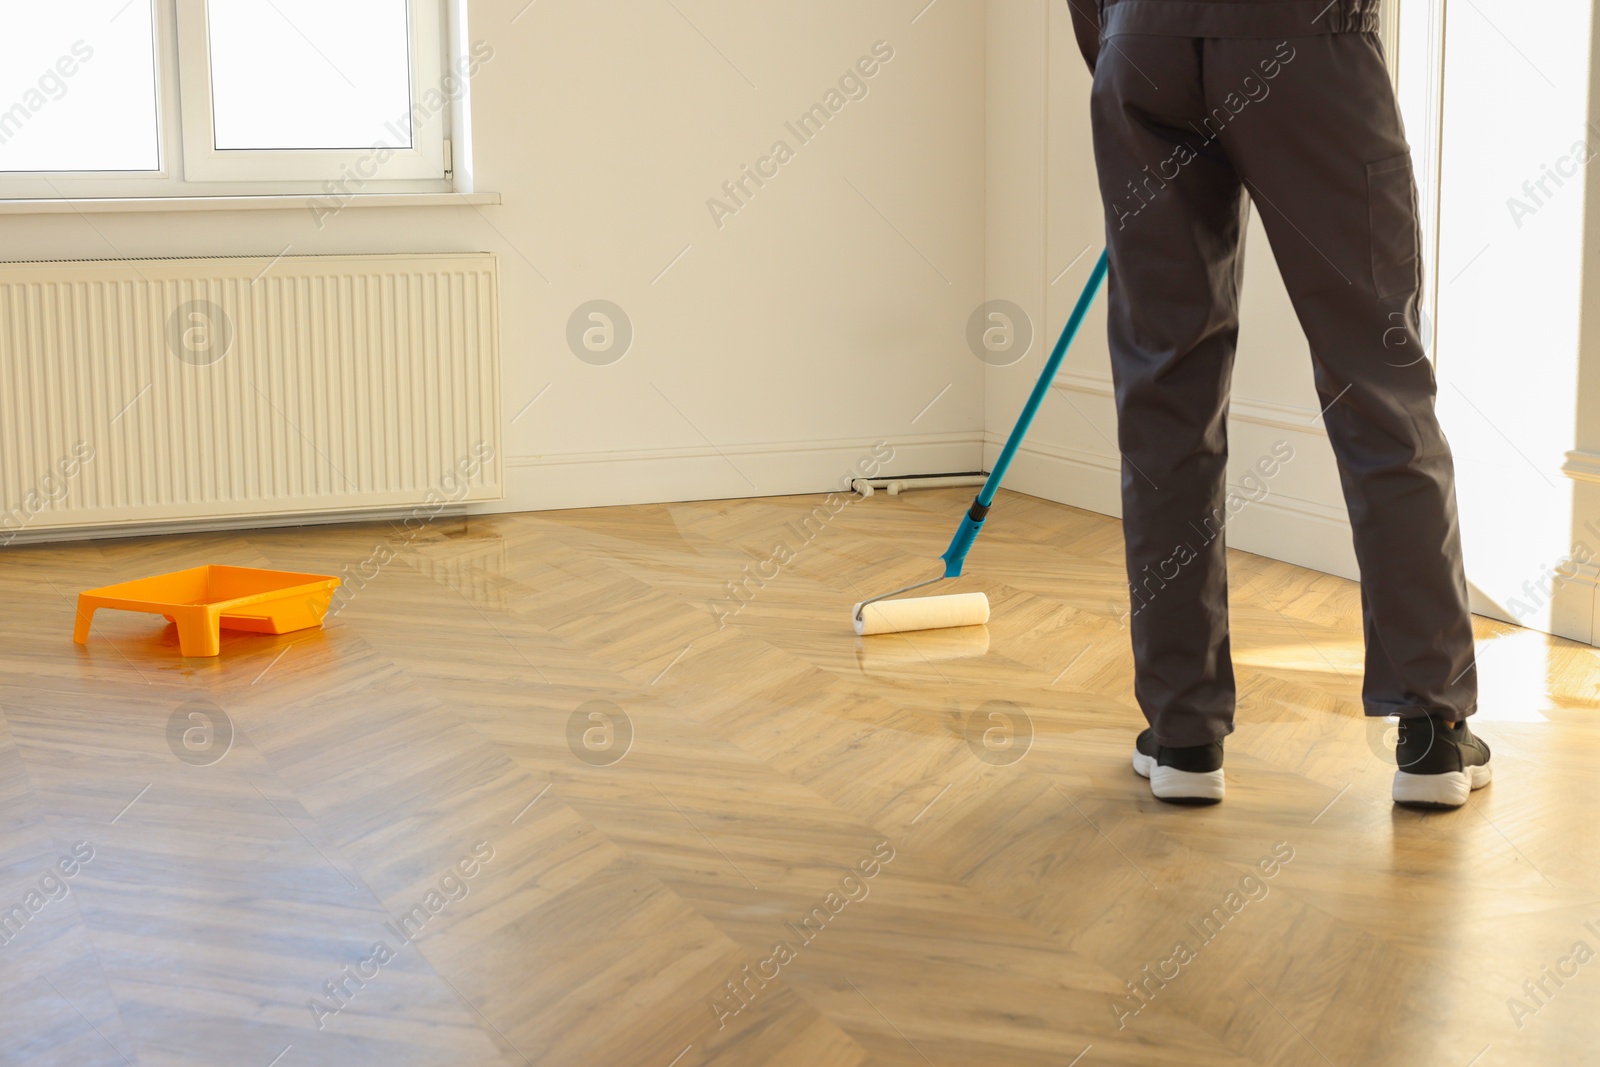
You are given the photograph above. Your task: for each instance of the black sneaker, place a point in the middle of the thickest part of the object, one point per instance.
(1191, 775)
(1437, 765)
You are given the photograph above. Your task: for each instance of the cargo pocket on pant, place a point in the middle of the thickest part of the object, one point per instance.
(1392, 215)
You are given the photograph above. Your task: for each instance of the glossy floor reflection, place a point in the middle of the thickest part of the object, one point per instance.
(612, 787)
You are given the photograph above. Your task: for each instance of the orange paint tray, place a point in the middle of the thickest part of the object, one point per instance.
(205, 600)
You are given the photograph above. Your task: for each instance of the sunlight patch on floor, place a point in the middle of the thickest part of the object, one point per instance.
(1512, 668)
(1330, 654)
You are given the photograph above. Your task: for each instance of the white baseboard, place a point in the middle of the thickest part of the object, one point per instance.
(604, 479)
(1566, 603)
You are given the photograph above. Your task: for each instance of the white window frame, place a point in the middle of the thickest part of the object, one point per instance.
(203, 161)
(189, 164)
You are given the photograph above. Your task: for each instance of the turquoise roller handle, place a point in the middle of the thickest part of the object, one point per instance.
(961, 543)
(1042, 388)
(955, 556)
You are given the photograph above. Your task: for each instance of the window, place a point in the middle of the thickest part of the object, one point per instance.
(218, 97)
(78, 85)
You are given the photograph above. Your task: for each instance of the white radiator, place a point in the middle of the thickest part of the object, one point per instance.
(221, 391)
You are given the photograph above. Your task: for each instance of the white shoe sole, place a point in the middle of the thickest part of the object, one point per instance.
(1169, 783)
(1449, 790)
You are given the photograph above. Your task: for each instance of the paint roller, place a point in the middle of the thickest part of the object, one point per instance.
(886, 615)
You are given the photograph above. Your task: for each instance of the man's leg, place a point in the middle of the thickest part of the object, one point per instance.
(1321, 151)
(1174, 227)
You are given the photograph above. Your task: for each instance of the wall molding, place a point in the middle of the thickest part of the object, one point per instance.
(1240, 409)
(1302, 532)
(1583, 574)
(1582, 466)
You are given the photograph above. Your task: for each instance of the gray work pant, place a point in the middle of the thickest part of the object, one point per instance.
(1184, 127)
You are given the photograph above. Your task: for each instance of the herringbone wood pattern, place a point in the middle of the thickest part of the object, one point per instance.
(927, 850)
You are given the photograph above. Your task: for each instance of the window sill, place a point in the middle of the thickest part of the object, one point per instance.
(265, 202)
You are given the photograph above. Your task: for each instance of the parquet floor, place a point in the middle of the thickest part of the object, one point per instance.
(524, 801)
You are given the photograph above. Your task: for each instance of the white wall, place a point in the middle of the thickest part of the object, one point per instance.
(1517, 97)
(774, 353)
(822, 317)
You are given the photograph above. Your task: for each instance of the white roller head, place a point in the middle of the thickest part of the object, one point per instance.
(921, 613)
